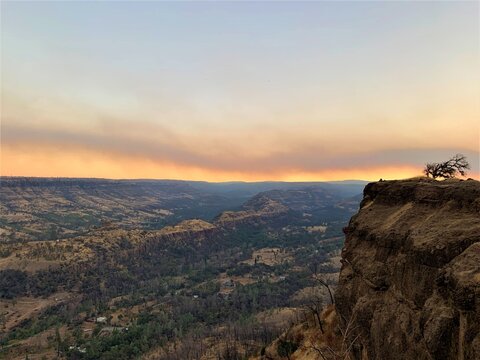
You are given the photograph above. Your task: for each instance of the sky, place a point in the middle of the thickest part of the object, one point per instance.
(222, 91)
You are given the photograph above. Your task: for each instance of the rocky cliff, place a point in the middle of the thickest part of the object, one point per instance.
(410, 279)
(258, 211)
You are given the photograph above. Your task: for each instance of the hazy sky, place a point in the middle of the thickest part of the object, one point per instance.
(239, 90)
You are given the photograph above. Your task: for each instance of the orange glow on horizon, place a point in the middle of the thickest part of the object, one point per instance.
(85, 163)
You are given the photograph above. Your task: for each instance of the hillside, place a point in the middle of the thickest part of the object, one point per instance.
(48, 209)
(55, 208)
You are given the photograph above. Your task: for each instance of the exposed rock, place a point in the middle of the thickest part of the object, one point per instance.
(308, 341)
(194, 225)
(410, 280)
(259, 210)
(194, 232)
(306, 199)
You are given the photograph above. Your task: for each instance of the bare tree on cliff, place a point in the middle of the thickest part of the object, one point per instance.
(338, 343)
(448, 169)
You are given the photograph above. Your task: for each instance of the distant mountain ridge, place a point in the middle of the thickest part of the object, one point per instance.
(48, 208)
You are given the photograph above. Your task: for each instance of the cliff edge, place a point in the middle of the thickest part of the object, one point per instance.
(410, 280)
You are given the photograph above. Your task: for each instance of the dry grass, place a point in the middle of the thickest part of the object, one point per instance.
(312, 343)
(279, 317)
(28, 265)
(20, 309)
(39, 346)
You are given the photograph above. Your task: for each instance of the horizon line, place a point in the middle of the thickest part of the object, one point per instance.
(184, 180)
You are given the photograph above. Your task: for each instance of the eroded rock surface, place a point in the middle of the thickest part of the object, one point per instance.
(410, 279)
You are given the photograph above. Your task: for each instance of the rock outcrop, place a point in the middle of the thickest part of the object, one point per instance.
(194, 232)
(260, 210)
(410, 279)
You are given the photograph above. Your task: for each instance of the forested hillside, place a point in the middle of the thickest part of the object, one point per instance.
(225, 285)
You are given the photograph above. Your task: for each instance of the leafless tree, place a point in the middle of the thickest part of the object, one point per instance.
(314, 306)
(315, 301)
(458, 164)
(320, 281)
(349, 336)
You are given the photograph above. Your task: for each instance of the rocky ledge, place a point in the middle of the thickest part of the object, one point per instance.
(410, 279)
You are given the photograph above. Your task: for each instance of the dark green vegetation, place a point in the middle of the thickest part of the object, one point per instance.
(173, 294)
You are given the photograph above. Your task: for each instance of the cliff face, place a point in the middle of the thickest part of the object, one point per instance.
(410, 279)
(258, 211)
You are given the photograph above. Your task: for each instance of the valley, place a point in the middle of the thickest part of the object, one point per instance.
(162, 270)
